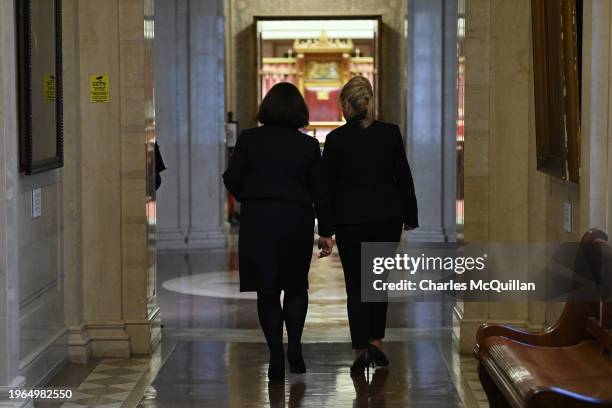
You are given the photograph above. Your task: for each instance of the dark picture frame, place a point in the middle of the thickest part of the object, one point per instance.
(557, 43)
(38, 152)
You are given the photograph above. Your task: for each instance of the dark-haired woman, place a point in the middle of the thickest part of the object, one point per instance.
(275, 172)
(373, 198)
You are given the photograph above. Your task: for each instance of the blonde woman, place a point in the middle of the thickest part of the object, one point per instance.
(373, 198)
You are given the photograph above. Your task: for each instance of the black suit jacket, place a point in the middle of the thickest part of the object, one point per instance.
(279, 163)
(368, 174)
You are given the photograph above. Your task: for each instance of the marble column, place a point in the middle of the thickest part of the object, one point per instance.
(137, 123)
(119, 318)
(190, 106)
(506, 198)
(79, 346)
(431, 141)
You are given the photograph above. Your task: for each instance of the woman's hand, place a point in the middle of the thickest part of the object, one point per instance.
(326, 244)
(408, 227)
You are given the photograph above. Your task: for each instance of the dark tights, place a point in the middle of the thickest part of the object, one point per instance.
(271, 317)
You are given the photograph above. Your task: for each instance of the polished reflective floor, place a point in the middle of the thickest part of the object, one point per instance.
(199, 290)
(215, 355)
(221, 374)
(212, 353)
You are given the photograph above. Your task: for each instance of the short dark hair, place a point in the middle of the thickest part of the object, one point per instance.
(283, 105)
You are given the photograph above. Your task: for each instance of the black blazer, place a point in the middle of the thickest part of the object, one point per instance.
(279, 163)
(368, 174)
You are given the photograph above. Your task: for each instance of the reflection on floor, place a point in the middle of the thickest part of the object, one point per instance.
(220, 374)
(199, 290)
(213, 354)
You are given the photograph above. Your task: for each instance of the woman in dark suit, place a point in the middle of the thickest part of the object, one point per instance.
(275, 172)
(372, 197)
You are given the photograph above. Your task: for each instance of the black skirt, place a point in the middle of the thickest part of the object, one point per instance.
(275, 245)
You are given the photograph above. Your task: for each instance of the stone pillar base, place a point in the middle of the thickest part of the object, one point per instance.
(430, 235)
(145, 334)
(79, 344)
(109, 339)
(117, 339)
(197, 239)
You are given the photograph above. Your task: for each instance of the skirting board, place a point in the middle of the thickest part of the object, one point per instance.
(109, 339)
(197, 239)
(144, 334)
(79, 344)
(430, 235)
(124, 338)
(16, 384)
(45, 361)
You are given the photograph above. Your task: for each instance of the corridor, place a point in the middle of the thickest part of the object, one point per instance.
(119, 275)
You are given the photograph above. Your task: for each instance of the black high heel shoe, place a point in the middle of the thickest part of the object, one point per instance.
(380, 359)
(363, 362)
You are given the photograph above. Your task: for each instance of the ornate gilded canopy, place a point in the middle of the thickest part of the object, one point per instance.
(323, 45)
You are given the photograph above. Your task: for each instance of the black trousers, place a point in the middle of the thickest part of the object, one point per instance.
(367, 320)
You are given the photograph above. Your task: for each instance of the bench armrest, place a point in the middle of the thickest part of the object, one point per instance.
(545, 338)
(569, 330)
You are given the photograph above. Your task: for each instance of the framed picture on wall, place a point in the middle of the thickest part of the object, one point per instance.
(40, 104)
(557, 34)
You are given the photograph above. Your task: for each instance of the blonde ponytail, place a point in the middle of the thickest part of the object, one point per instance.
(358, 96)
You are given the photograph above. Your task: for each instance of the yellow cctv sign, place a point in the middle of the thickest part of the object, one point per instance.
(49, 87)
(99, 88)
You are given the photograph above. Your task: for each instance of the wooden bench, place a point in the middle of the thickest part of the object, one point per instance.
(568, 365)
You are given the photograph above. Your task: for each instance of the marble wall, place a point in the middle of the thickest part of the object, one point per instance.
(74, 281)
(190, 95)
(9, 184)
(506, 197)
(42, 330)
(33, 336)
(505, 194)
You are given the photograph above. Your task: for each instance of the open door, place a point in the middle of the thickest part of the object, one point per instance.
(318, 55)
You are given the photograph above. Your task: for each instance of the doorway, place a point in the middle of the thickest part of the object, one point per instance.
(318, 55)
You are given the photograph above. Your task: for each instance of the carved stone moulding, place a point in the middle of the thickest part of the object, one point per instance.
(323, 45)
